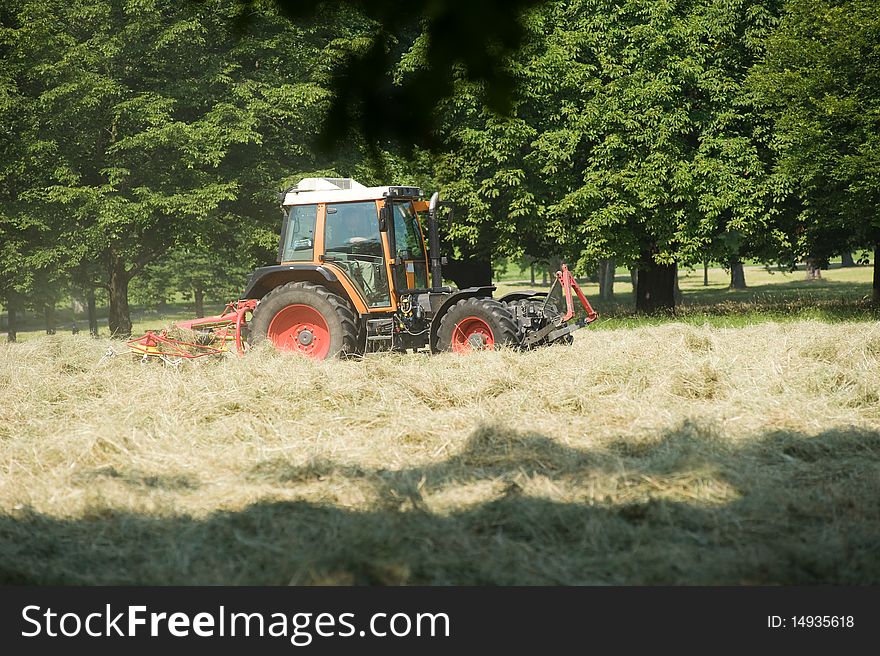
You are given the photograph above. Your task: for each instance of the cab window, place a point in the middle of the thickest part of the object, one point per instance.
(299, 237)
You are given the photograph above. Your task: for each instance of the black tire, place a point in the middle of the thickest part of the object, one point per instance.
(494, 314)
(341, 320)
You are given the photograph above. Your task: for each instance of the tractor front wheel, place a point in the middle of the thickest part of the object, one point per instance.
(306, 318)
(476, 324)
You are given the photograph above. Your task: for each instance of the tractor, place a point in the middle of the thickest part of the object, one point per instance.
(355, 274)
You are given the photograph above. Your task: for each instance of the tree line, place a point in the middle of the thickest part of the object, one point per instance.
(144, 141)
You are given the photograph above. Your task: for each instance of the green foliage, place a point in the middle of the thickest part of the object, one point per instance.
(820, 81)
(208, 268)
(124, 128)
(146, 125)
(148, 136)
(470, 38)
(631, 132)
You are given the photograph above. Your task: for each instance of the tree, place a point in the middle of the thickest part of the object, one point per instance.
(133, 115)
(737, 274)
(213, 269)
(607, 270)
(820, 82)
(151, 124)
(85, 279)
(630, 138)
(18, 229)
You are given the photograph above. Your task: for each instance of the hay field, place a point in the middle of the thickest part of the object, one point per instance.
(661, 454)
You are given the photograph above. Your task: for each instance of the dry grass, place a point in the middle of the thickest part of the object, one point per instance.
(668, 454)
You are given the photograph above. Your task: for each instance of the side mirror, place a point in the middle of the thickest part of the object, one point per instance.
(384, 217)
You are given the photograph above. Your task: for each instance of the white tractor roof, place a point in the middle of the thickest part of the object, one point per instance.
(335, 190)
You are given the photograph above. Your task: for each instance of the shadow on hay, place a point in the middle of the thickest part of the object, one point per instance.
(805, 510)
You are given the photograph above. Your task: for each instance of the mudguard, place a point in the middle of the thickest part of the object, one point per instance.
(265, 279)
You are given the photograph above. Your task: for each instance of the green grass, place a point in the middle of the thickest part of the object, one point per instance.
(143, 319)
(841, 295)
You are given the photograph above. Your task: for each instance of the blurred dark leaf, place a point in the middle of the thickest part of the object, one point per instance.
(476, 36)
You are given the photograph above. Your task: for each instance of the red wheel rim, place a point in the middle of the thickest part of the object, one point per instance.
(472, 334)
(300, 328)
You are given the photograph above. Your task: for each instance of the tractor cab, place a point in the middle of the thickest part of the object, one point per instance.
(371, 238)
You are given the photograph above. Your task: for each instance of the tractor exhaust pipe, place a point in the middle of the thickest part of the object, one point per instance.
(434, 243)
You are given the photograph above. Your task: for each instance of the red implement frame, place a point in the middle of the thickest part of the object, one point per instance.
(226, 326)
(222, 329)
(568, 283)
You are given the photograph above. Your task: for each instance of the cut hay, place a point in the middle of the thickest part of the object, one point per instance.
(668, 454)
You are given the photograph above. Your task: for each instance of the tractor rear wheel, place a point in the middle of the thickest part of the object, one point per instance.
(476, 324)
(306, 318)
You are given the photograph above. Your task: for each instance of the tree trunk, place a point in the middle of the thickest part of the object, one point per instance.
(634, 278)
(875, 296)
(846, 259)
(120, 317)
(532, 271)
(76, 307)
(92, 311)
(705, 273)
(737, 274)
(606, 279)
(610, 270)
(655, 288)
(49, 315)
(12, 330)
(199, 296)
(677, 288)
(555, 265)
